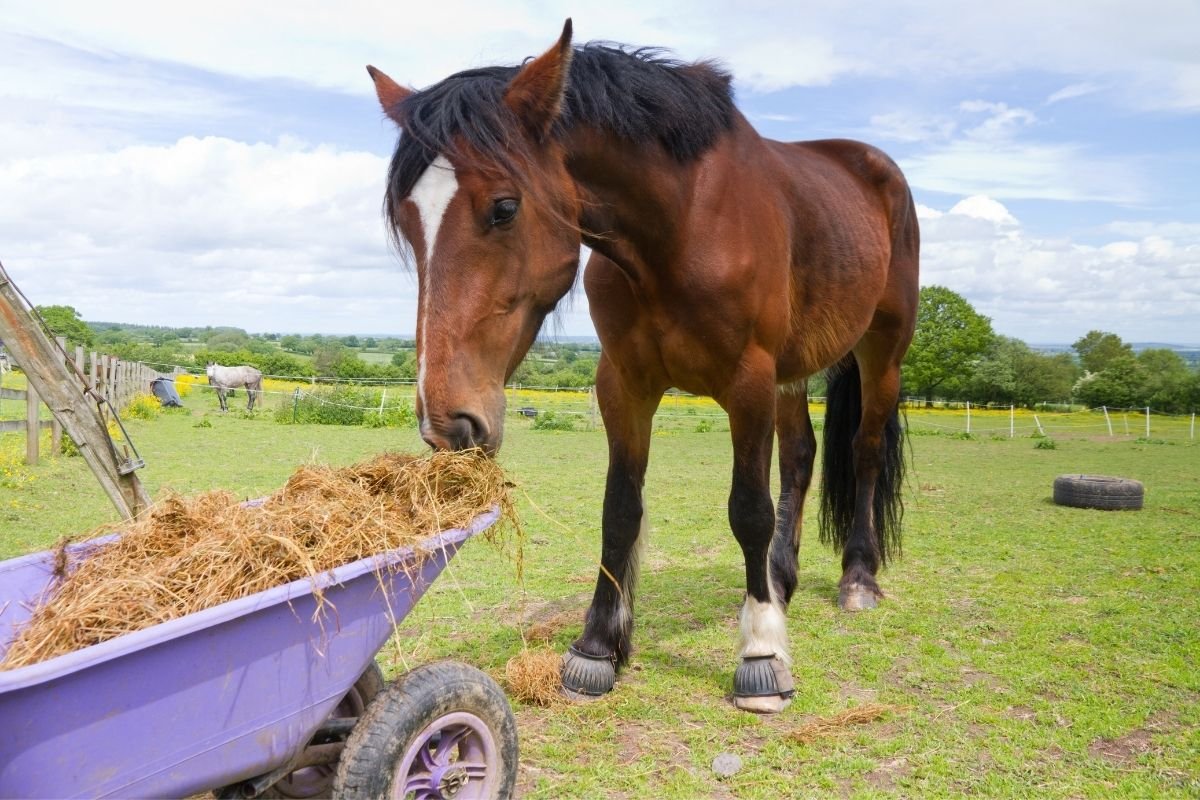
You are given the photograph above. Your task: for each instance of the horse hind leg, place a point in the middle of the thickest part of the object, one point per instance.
(590, 666)
(797, 451)
(863, 466)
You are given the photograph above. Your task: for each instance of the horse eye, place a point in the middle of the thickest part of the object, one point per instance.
(504, 210)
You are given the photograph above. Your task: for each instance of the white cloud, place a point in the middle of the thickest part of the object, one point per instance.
(1072, 91)
(1045, 289)
(1001, 122)
(207, 231)
(1030, 171)
(985, 208)
(908, 126)
(770, 44)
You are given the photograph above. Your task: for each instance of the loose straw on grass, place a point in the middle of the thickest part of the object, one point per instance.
(839, 723)
(188, 554)
(533, 676)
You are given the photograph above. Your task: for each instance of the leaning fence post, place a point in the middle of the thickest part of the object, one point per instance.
(382, 400)
(1038, 422)
(1193, 425)
(1012, 420)
(295, 404)
(1107, 420)
(1147, 422)
(968, 417)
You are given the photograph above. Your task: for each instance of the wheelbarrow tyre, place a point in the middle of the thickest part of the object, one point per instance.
(444, 727)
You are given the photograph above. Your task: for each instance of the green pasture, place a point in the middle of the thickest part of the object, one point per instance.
(1028, 650)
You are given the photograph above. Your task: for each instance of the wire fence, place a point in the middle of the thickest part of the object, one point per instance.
(681, 411)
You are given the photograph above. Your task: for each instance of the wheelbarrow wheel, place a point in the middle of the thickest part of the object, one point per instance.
(317, 781)
(444, 730)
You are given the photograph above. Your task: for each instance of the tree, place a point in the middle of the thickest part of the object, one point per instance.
(1168, 380)
(65, 321)
(1098, 348)
(1121, 384)
(951, 338)
(327, 357)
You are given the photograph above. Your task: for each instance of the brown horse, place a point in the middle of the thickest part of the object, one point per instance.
(725, 264)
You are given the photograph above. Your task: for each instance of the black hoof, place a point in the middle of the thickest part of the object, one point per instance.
(763, 684)
(586, 677)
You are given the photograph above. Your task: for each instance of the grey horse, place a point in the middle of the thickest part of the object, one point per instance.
(225, 378)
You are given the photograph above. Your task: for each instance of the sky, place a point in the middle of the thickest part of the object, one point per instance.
(223, 163)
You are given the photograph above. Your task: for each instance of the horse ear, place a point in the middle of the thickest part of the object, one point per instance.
(390, 94)
(536, 94)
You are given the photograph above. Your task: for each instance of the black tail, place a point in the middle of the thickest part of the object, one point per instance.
(843, 411)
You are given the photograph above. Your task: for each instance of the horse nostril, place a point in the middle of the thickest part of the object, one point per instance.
(469, 431)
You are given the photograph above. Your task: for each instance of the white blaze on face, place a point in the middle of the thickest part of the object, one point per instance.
(431, 195)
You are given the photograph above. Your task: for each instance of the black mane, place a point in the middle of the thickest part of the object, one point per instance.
(638, 95)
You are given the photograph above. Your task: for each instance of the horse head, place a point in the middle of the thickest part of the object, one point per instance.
(210, 369)
(480, 198)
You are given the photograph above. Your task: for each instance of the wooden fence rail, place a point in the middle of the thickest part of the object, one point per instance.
(117, 381)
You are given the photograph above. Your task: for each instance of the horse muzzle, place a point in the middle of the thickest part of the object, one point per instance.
(462, 430)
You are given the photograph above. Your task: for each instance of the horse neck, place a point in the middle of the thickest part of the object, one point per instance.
(639, 203)
(635, 197)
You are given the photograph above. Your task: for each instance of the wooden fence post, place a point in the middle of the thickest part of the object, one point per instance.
(56, 426)
(33, 431)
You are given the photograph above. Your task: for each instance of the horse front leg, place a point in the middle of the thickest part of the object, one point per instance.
(797, 450)
(591, 663)
(763, 681)
(221, 400)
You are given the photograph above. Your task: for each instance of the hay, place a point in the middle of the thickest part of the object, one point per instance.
(839, 723)
(190, 553)
(533, 676)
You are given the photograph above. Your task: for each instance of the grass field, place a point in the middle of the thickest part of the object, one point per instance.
(1030, 650)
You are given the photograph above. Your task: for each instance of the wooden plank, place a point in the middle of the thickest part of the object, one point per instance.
(56, 429)
(64, 394)
(12, 394)
(11, 425)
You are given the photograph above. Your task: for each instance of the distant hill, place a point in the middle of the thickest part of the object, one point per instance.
(1188, 352)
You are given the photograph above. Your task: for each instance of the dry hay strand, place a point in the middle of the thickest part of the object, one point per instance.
(840, 723)
(534, 676)
(187, 554)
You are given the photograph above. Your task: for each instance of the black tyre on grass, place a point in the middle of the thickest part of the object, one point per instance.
(1098, 491)
(443, 730)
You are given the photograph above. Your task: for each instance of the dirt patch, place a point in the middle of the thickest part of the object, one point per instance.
(1023, 713)
(885, 777)
(973, 677)
(1124, 750)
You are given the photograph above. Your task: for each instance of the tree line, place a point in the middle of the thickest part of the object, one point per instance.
(955, 356)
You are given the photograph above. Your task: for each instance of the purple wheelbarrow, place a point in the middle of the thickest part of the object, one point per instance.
(254, 698)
